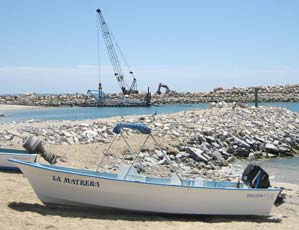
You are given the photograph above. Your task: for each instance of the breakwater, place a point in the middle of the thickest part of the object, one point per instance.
(286, 93)
(200, 142)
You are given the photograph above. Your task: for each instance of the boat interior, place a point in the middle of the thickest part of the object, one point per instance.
(130, 174)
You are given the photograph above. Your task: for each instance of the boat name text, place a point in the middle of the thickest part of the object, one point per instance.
(80, 182)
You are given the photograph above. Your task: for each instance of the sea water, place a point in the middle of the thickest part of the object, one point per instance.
(81, 113)
(285, 170)
(281, 169)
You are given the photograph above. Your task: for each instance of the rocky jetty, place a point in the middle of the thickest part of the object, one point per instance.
(287, 93)
(198, 141)
(54, 100)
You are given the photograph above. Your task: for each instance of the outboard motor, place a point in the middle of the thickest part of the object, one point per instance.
(34, 145)
(255, 177)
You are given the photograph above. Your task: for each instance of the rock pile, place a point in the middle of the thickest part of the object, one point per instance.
(210, 139)
(199, 141)
(33, 99)
(288, 93)
(57, 133)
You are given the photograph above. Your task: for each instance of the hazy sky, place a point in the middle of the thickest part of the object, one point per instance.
(191, 45)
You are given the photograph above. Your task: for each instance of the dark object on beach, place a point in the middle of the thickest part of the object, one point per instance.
(255, 177)
(34, 145)
(256, 97)
(2, 115)
(280, 198)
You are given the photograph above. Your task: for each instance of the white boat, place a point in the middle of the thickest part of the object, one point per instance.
(6, 154)
(131, 191)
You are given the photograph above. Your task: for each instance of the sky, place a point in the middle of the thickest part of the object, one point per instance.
(191, 45)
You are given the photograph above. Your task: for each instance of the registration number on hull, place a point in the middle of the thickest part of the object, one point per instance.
(264, 196)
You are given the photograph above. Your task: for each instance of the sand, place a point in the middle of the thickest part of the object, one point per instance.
(4, 108)
(21, 209)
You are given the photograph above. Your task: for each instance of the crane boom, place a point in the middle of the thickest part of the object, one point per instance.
(118, 73)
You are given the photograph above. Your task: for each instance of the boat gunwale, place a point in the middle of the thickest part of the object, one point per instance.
(50, 168)
(19, 154)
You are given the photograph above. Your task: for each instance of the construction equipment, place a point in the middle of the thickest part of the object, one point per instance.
(97, 94)
(107, 100)
(161, 85)
(118, 73)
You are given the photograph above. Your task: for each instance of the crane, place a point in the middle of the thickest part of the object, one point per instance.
(118, 73)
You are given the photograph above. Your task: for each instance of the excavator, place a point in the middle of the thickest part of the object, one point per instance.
(162, 85)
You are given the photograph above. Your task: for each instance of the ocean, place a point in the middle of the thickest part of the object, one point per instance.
(81, 113)
(281, 169)
(284, 170)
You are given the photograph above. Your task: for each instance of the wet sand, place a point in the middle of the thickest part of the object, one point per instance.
(4, 108)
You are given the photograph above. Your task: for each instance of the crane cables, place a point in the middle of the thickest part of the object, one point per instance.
(133, 85)
(120, 52)
(122, 55)
(98, 45)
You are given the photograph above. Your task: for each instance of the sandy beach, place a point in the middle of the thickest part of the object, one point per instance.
(121, 106)
(21, 209)
(4, 108)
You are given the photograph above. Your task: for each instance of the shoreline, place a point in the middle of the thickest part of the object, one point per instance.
(278, 93)
(277, 174)
(40, 113)
(81, 143)
(199, 140)
(4, 107)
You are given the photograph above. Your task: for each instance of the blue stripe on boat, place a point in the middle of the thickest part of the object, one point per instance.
(111, 176)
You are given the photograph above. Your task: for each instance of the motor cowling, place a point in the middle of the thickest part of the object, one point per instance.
(34, 145)
(255, 177)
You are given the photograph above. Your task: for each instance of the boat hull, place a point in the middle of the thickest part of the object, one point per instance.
(6, 154)
(68, 187)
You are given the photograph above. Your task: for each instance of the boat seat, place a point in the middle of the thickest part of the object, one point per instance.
(216, 184)
(175, 180)
(122, 171)
(199, 183)
(138, 178)
(132, 175)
